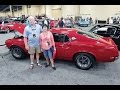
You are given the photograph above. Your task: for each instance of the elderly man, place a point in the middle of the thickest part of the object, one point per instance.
(31, 39)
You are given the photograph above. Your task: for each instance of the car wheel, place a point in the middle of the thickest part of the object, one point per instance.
(17, 53)
(84, 61)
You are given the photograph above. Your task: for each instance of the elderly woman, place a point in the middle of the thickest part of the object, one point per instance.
(47, 43)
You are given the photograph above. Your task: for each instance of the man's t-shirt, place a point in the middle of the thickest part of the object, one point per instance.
(33, 34)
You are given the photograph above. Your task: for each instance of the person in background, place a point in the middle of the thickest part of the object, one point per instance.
(111, 20)
(46, 21)
(61, 23)
(32, 41)
(47, 45)
(96, 21)
(73, 22)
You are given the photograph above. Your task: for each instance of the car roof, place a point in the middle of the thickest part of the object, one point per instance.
(64, 30)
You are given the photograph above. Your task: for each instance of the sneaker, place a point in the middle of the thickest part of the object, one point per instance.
(54, 68)
(47, 65)
(38, 64)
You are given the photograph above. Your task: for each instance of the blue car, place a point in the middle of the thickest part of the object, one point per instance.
(83, 23)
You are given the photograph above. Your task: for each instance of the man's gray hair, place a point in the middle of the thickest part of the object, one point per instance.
(31, 17)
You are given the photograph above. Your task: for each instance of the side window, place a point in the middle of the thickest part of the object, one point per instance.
(111, 30)
(6, 22)
(60, 37)
(66, 38)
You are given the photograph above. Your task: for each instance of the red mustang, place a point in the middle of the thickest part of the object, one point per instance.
(82, 47)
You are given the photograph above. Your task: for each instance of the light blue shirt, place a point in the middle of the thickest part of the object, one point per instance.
(33, 34)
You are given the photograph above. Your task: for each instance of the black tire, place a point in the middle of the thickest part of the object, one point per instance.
(86, 64)
(18, 53)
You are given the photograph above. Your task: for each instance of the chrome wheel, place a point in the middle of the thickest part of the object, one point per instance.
(17, 52)
(84, 61)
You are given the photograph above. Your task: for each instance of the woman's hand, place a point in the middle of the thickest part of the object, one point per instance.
(42, 50)
(26, 47)
(54, 48)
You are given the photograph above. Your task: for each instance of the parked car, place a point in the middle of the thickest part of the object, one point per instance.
(69, 23)
(81, 47)
(6, 26)
(83, 22)
(102, 22)
(107, 30)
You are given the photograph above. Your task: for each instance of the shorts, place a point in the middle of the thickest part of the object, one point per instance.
(48, 53)
(33, 50)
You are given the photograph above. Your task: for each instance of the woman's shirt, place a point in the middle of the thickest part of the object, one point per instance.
(47, 40)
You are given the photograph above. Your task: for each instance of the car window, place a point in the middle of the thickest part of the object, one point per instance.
(103, 29)
(111, 31)
(94, 28)
(60, 37)
(89, 34)
(6, 22)
(66, 38)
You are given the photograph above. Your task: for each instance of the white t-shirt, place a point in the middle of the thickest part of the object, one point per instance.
(2, 23)
(110, 21)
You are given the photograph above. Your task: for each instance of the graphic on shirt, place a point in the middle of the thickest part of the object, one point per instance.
(47, 41)
(34, 35)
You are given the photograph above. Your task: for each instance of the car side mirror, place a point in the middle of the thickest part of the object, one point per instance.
(71, 39)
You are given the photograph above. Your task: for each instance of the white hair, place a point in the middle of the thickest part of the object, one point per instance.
(31, 17)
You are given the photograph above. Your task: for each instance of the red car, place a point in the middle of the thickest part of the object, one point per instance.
(82, 47)
(8, 26)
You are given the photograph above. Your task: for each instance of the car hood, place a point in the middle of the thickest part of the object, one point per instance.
(19, 27)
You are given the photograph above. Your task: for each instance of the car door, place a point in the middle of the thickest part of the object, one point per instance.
(58, 38)
(67, 48)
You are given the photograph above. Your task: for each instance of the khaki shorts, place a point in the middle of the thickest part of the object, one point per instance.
(33, 50)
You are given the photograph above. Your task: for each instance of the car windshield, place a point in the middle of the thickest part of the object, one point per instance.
(89, 34)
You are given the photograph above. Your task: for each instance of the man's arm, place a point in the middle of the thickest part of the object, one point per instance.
(25, 39)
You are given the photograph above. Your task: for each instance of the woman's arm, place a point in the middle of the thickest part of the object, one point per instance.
(52, 40)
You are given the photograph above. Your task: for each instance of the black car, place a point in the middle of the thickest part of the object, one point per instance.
(107, 30)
